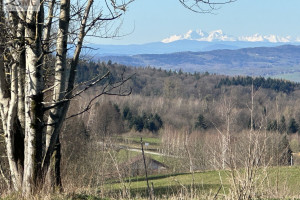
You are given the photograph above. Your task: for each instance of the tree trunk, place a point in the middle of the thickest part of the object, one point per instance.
(33, 103)
(56, 114)
(32, 129)
(58, 183)
(53, 178)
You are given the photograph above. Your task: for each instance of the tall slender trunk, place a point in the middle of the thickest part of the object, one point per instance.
(30, 138)
(33, 102)
(58, 182)
(55, 116)
(9, 107)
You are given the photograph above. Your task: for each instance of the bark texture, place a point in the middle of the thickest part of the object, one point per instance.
(31, 120)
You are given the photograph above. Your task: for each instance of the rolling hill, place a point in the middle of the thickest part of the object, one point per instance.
(257, 61)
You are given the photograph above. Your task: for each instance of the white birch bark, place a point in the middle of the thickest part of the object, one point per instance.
(10, 130)
(33, 99)
(21, 98)
(59, 113)
(8, 111)
(60, 73)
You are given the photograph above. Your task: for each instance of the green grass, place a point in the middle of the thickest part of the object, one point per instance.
(286, 177)
(137, 139)
(135, 142)
(124, 155)
(278, 178)
(171, 183)
(150, 140)
(154, 143)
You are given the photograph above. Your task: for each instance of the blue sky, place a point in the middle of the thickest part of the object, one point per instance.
(153, 20)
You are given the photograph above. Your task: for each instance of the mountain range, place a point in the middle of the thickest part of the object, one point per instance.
(277, 61)
(192, 41)
(218, 35)
(214, 52)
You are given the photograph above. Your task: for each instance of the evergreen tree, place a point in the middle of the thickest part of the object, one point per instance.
(293, 126)
(272, 126)
(138, 123)
(127, 114)
(285, 151)
(282, 125)
(201, 123)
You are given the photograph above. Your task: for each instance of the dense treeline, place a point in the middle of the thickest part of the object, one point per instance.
(149, 121)
(208, 90)
(148, 81)
(274, 84)
(189, 113)
(157, 82)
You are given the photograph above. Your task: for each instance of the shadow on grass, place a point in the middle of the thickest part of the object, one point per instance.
(168, 191)
(152, 177)
(142, 178)
(85, 197)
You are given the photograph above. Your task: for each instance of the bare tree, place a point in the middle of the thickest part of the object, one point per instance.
(32, 105)
(32, 120)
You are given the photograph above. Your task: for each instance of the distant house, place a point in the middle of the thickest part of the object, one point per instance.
(135, 166)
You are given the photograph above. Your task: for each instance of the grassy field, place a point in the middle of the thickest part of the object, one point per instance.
(150, 140)
(281, 183)
(278, 180)
(170, 184)
(124, 155)
(281, 180)
(135, 142)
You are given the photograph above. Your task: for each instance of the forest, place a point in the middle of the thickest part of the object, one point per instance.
(203, 87)
(194, 122)
(191, 122)
(72, 127)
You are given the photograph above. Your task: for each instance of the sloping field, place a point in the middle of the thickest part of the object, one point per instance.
(276, 182)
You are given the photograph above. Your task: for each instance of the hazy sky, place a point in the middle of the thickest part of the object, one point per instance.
(153, 20)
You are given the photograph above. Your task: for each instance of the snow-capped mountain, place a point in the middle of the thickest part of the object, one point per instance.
(194, 41)
(219, 36)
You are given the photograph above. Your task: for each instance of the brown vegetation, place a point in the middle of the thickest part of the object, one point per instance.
(222, 139)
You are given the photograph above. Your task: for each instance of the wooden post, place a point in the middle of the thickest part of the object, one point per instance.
(152, 190)
(149, 191)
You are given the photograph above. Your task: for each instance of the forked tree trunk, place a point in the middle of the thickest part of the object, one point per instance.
(32, 129)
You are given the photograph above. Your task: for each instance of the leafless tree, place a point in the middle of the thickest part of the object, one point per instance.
(32, 105)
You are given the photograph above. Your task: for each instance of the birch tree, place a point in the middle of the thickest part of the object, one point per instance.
(31, 35)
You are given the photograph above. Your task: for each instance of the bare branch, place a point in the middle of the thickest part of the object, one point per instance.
(55, 104)
(105, 91)
(204, 6)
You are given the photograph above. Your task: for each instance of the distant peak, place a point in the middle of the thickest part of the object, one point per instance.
(219, 35)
